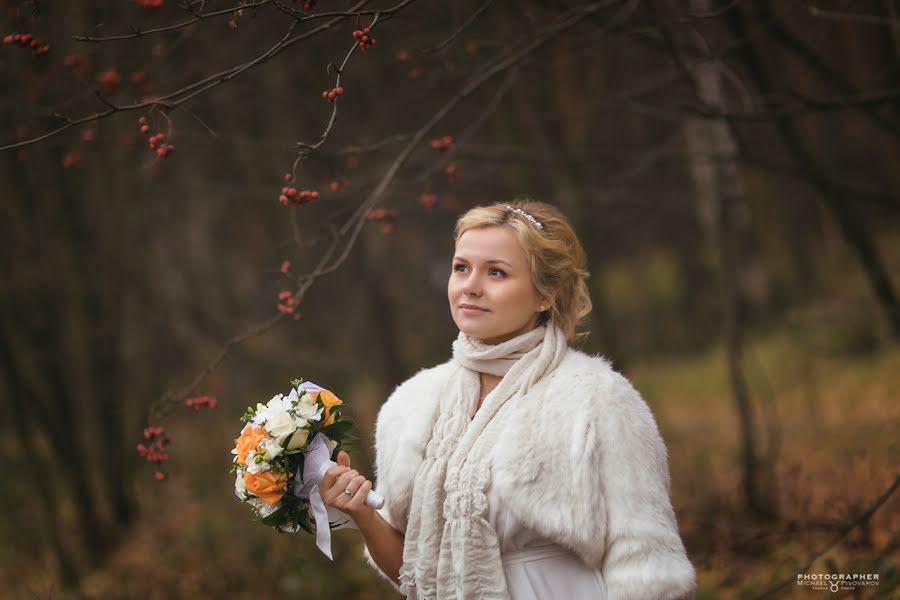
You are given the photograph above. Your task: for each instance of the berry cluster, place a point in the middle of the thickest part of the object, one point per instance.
(110, 80)
(444, 143)
(156, 141)
(290, 196)
(452, 172)
(333, 93)
(386, 217)
(155, 452)
(287, 304)
(26, 40)
(363, 38)
(201, 402)
(428, 200)
(149, 3)
(338, 184)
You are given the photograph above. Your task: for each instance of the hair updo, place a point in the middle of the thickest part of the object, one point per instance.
(555, 257)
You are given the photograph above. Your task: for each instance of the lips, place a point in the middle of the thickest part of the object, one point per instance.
(472, 307)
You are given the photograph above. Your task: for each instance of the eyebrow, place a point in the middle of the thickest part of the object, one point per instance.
(490, 262)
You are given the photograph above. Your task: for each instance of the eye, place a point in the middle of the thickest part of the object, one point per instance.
(458, 266)
(496, 270)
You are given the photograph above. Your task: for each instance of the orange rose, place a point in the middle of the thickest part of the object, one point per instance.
(329, 400)
(250, 438)
(268, 486)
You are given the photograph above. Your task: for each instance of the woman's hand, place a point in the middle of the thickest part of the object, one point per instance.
(345, 489)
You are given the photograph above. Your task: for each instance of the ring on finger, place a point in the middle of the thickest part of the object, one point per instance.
(348, 492)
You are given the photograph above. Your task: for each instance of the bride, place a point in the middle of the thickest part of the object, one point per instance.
(521, 468)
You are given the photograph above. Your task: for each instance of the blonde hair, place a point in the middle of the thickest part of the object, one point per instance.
(555, 257)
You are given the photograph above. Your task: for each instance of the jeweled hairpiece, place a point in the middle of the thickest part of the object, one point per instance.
(526, 215)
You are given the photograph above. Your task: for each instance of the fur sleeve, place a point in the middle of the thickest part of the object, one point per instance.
(644, 557)
(402, 429)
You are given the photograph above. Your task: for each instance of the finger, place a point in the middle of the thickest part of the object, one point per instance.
(359, 498)
(341, 483)
(354, 485)
(331, 476)
(343, 459)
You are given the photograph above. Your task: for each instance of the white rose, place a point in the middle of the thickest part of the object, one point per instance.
(280, 425)
(300, 437)
(308, 412)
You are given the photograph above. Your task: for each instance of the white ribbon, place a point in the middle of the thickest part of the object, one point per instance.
(315, 464)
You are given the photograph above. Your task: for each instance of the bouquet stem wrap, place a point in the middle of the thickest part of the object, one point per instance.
(316, 463)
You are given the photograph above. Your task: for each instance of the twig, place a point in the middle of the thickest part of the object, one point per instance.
(484, 6)
(136, 32)
(865, 516)
(853, 18)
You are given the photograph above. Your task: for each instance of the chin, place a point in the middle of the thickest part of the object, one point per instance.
(475, 331)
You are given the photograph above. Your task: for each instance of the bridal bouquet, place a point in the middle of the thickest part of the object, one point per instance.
(282, 454)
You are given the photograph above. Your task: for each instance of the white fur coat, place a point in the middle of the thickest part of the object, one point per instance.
(581, 463)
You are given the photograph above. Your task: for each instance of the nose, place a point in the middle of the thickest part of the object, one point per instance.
(472, 285)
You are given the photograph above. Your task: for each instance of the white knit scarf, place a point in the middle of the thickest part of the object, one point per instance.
(450, 550)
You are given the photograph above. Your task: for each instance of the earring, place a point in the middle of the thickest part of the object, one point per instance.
(542, 308)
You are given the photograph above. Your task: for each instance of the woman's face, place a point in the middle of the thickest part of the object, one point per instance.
(492, 297)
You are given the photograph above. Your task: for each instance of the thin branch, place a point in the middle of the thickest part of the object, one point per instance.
(484, 6)
(852, 17)
(136, 32)
(807, 106)
(467, 134)
(862, 518)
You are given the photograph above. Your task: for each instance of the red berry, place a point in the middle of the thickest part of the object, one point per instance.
(8, 40)
(160, 475)
(288, 177)
(339, 90)
(145, 129)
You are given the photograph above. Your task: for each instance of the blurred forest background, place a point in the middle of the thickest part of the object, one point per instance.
(733, 169)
